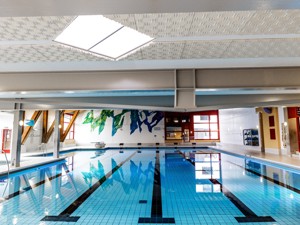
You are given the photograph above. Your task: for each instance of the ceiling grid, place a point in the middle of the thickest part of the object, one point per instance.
(178, 36)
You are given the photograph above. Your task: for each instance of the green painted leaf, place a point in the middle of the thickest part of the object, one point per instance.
(101, 120)
(118, 121)
(89, 117)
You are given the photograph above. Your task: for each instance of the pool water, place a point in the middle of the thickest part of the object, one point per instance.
(148, 186)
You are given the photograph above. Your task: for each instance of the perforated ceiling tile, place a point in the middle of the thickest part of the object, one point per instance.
(219, 23)
(273, 22)
(164, 25)
(32, 28)
(163, 51)
(57, 52)
(43, 53)
(263, 48)
(204, 49)
(125, 19)
(134, 56)
(179, 26)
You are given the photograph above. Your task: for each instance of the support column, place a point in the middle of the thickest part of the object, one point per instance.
(185, 89)
(17, 136)
(56, 134)
(286, 135)
(261, 133)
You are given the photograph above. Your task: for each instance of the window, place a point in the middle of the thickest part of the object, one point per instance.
(67, 120)
(173, 133)
(206, 127)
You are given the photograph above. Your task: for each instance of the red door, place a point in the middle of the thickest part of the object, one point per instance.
(6, 140)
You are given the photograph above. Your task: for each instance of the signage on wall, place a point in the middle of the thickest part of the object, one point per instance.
(29, 123)
(298, 111)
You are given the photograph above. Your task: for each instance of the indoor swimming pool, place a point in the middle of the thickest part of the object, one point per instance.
(154, 186)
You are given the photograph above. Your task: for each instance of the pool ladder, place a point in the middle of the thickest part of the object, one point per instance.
(8, 170)
(43, 149)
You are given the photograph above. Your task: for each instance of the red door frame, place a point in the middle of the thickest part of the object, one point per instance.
(5, 132)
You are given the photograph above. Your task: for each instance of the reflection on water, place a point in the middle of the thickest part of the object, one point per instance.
(138, 175)
(279, 176)
(28, 194)
(94, 172)
(207, 168)
(98, 153)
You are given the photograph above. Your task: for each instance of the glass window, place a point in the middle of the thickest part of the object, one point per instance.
(197, 119)
(201, 135)
(173, 129)
(67, 120)
(204, 119)
(213, 126)
(201, 119)
(201, 127)
(214, 135)
(206, 127)
(214, 118)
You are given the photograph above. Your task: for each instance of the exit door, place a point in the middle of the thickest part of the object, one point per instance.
(6, 140)
(186, 135)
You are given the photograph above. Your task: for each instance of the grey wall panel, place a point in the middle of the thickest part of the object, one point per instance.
(249, 78)
(129, 80)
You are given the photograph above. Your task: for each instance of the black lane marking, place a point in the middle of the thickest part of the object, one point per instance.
(156, 208)
(250, 216)
(143, 201)
(270, 179)
(64, 216)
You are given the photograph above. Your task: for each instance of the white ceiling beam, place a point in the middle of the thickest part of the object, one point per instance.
(173, 39)
(227, 37)
(81, 7)
(150, 64)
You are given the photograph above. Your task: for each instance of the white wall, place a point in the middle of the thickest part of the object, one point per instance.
(35, 137)
(33, 142)
(84, 135)
(232, 123)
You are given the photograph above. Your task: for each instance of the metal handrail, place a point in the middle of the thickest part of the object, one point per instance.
(8, 171)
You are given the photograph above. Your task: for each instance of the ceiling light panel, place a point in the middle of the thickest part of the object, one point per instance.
(86, 31)
(119, 44)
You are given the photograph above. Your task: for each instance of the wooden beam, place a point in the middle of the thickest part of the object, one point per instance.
(64, 134)
(45, 126)
(47, 133)
(28, 129)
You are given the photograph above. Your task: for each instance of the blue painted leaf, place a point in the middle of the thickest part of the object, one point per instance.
(135, 121)
(156, 118)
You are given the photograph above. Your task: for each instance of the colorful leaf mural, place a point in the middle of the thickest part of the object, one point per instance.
(118, 122)
(137, 119)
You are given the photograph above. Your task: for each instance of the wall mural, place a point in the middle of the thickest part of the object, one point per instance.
(137, 119)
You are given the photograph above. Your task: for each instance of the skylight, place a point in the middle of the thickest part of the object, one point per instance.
(102, 36)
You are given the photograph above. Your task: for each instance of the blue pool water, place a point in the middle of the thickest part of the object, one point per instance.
(148, 186)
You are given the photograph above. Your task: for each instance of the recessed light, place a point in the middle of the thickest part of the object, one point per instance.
(99, 35)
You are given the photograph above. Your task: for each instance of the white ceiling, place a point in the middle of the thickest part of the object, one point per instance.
(188, 34)
(190, 37)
